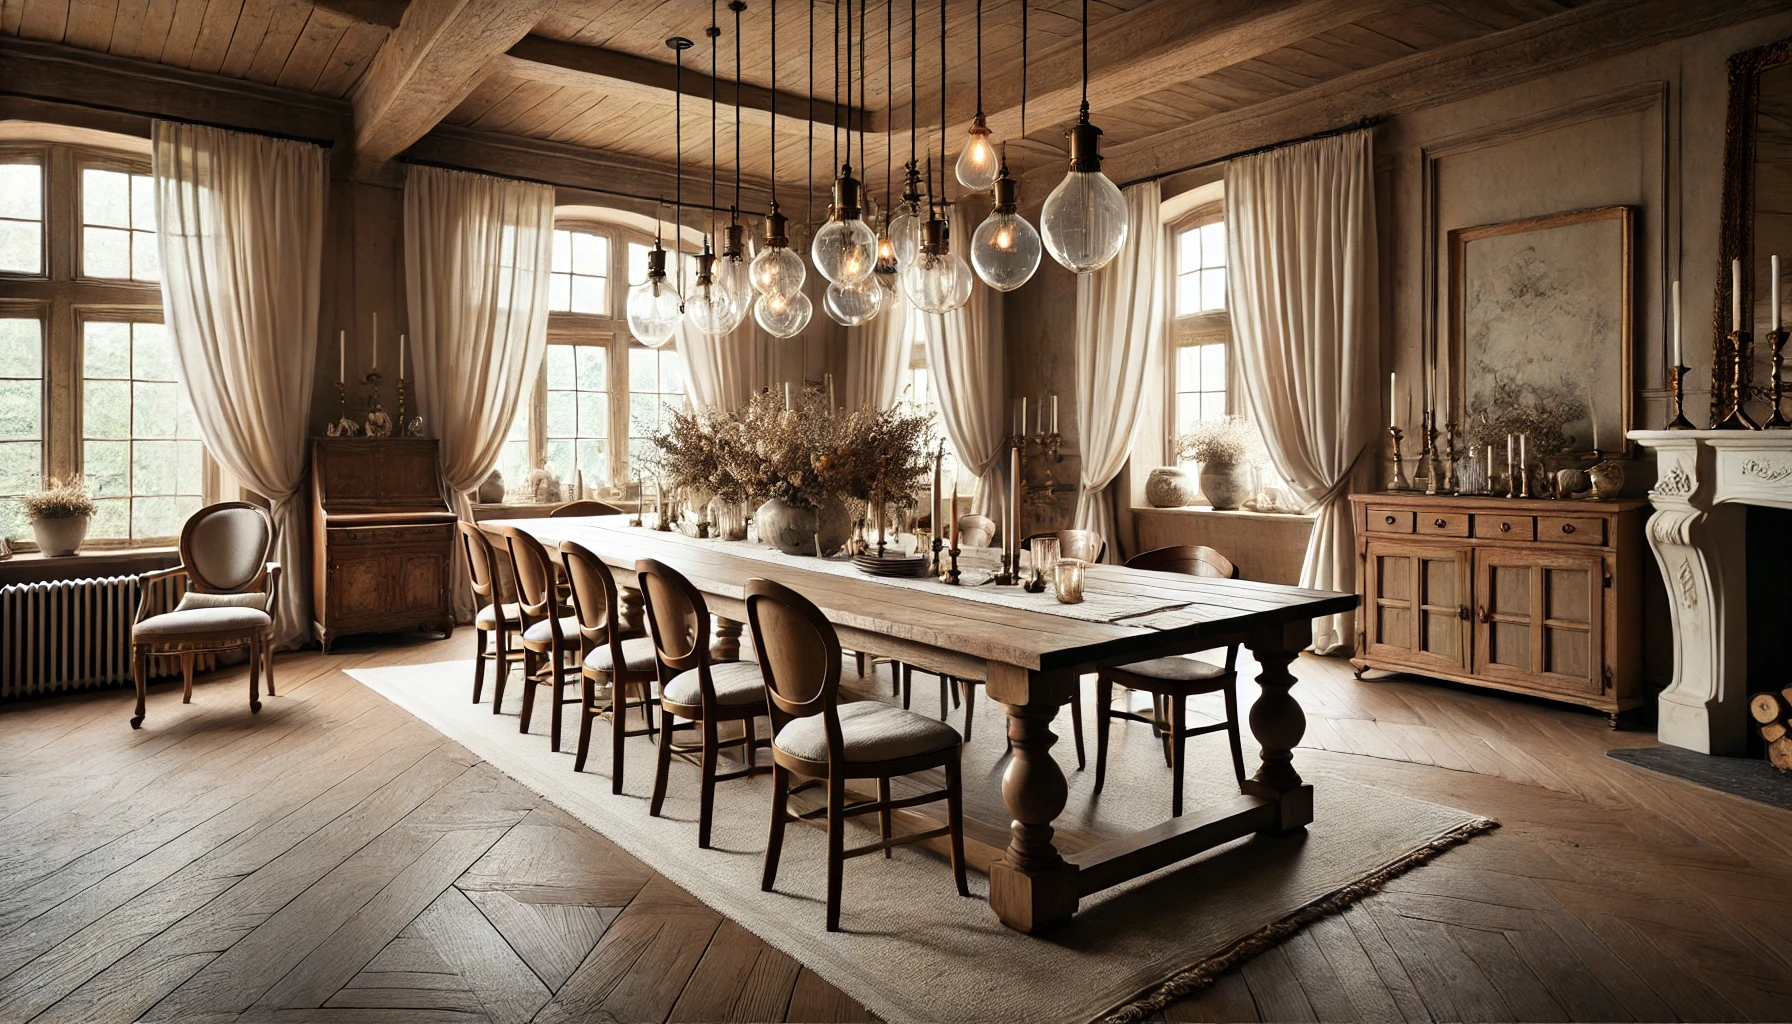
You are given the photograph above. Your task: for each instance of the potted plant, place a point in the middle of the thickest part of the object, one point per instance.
(58, 515)
(1228, 450)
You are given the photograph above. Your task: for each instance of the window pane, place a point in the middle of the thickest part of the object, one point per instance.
(21, 469)
(590, 254)
(155, 467)
(153, 408)
(559, 458)
(105, 252)
(22, 191)
(1188, 411)
(107, 466)
(143, 202)
(21, 410)
(146, 259)
(1188, 368)
(514, 462)
(189, 478)
(1213, 367)
(21, 247)
(588, 295)
(560, 367)
(559, 292)
(152, 353)
(519, 425)
(1188, 250)
(106, 349)
(1213, 289)
(593, 460)
(563, 418)
(593, 368)
(562, 252)
(112, 521)
(1188, 294)
(594, 414)
(105, 198)
(1213, 405)
(141, 452)
(643, 417)
(1213, 245)
(21, 347)
(106, 409)
(671, 372)
(643, 369)
(637, 263)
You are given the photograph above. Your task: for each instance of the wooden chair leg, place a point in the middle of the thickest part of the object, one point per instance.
(1160, 710)
(1232, 736)
(500, 670)
(954, 681)
(1076, 719)
(955, 822)
(528, 689)
(619, 730)
(906, 675)
(587, 711)
(836, 847)
(970, 707)
(267, 662)
(1104, 702)
(140, 670)
(944, 687)
(706, 796)
(1178, 741)
(858, 659)
(780, 804)
(186, 679)
(479, 640)
(255, 677)
(883, 814)
(664, 766)
(558, 659)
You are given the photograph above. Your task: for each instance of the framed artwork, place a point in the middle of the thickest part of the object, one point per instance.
(1541, 329)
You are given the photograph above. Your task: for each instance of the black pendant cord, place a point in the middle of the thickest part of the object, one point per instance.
(889, 103)
(734, 209)
(773, 137)
(1023, 76)
(979, 60)
(834, 119)
(1085, 56)
(913, 115)
(678, 48)
(809, 210)
(943, 109)
(863, 169)
(715, 33)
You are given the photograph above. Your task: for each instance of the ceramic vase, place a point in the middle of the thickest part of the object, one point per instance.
(1226, 484)
(1169, 487)
(60, 536)
(786, 527)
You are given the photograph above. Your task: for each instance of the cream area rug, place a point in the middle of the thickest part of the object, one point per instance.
(911, 948)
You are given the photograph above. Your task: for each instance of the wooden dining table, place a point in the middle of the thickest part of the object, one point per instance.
(1030, 661)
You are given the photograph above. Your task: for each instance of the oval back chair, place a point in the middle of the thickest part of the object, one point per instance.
(494, 618)
(548, 633)
(625, 662)
(1189, 559)
(587, 507)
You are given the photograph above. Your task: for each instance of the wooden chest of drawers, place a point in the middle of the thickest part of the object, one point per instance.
(1539, 597)
(383, 538)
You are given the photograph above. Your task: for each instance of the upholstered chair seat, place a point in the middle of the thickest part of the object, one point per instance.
(637, 656)
(737, 683)
(1177, 670)
(542, 632)
(869, 731)
(201, 620)
(487, 617)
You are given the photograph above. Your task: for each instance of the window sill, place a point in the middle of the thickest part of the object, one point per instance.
(35, 567)
(1205, 510)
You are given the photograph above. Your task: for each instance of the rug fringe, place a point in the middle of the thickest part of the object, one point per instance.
(1204, 973)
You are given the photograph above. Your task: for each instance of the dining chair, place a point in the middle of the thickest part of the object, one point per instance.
(623, 664)
(229, 601)
(583, 508)
(824, 743)
(495, 618)
(696, 687)
(550, 632)
(1173, 680)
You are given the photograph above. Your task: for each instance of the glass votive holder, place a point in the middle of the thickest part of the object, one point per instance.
(1067, 580)
(1044, 558)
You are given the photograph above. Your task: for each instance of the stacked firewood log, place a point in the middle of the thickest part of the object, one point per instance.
(1773, 713)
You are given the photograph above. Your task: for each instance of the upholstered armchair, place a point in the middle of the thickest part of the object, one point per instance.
(228, 603)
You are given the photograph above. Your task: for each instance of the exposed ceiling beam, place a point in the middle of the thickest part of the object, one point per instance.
(435, 56)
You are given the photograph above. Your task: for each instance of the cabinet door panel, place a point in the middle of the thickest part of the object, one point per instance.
(1415, 600)
(1443, 593)
(1388, 597)
(420, 583)
(1539, 621)
(360, 586)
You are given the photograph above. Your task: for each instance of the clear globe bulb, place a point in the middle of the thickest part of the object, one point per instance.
(783, 316)
(844, 251)
(778, 271)
(852, 305)
(937, 283)
(1083, 221)
(653, 312)
(1005, 251)
(709, 309)
(732, 276)
(905, 233)
(978, 165)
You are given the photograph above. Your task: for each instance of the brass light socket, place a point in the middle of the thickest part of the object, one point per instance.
(1007, 192)
(934, 240)
(846, 194)
(775, 230)
(1085, 144)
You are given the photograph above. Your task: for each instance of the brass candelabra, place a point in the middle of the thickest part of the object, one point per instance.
(1397, 479)
(1450, 453)
(1777, 341)
(1677, 385)
(343, 427)
(1046, 446)
(1429, 458)
(1735, 353)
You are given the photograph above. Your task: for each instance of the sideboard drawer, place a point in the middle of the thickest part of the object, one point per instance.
(1442, 524)
(1571, 530)
(1390, 520)
(1491, 527)
(407, 535)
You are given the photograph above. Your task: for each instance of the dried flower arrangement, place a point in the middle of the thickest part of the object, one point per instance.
(1228, 440)
(1540, 414)
(59, 499)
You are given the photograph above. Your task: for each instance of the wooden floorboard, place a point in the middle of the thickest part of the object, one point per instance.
(333, 859)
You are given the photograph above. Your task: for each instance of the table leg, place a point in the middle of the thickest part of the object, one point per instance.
(1032, 887)
(727, 645)
(634, 620)
(1278, 723)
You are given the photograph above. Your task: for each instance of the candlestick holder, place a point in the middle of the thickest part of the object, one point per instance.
(408, 426)
(1430, 456)
(1735, 387)
(1677, 386)
(1451, 453)
(1397, 479)
(1775, 386)
(949, 573)
(378, 423)
(343, 427)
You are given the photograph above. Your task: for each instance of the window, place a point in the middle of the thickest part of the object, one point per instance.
(581, 274)
(118, 225)
(22, 218)
(578, 412)
(1200, 384)
(21, 409)
(140, 448)
(655, 385)
(920, 393)
(1201, 269)
(1202, 329)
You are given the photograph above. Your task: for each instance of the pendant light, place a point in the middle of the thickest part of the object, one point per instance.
(732, 269)
(853, 295)
(654, 307)
(845, 249)
(905, 221)
(1005, 248)
(977, 165)
(938, 281)
(888, 269)
(1084, 219)
(782, 310)
(709, 307)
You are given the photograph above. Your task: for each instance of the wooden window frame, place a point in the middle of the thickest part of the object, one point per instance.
(39, 153)
(1205, 328)
(101, 160)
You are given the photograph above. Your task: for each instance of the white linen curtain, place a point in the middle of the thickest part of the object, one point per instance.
(718, 371)
(1300, 227)
(477, 254)
(239, 227)
(877, 356)
(1120, 314)
(965, 361)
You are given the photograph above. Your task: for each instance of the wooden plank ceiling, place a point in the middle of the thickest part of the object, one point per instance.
(592, 73)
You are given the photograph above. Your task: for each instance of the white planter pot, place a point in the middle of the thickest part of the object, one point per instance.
(61, 536)
(1169, 487)
(1226, 484)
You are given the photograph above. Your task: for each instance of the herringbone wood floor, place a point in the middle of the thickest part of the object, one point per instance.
(335, 859)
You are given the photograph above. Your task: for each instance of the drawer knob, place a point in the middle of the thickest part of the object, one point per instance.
(1567, 527)
(1439, 523)
(1505, 527)
(1388, 520)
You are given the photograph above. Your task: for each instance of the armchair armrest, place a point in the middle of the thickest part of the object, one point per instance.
(271, 571)
(146, 580)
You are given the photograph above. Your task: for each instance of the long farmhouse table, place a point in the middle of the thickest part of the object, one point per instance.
(1030, 661)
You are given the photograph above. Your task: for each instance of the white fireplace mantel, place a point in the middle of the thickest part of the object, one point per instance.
(1697, 535)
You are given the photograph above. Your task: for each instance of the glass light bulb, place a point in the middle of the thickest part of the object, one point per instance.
(783, 316)
(978, 165)
(854, 304)
(1005, 251)
(653, 312)
(778, 271)
(708, 308)
(937, 283)
(732, 277)
(905, 233)
(1083, 221)
(845, 251)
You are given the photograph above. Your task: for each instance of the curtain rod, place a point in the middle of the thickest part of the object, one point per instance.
(559, 184)
(1367, 122)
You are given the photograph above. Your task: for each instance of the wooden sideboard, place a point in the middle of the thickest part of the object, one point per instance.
(1532, 596)
(382, 537)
